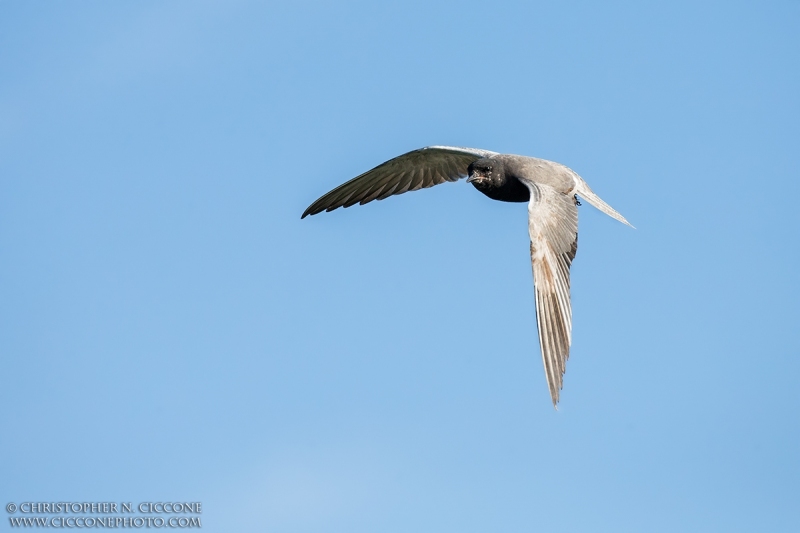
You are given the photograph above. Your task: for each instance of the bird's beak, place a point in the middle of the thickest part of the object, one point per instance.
(473, 178)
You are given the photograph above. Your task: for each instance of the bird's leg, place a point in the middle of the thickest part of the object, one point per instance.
(577, 202)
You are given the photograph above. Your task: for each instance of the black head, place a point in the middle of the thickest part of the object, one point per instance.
(486, 173)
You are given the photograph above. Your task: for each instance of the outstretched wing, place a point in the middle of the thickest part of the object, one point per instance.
(417, 169)
(553, 228)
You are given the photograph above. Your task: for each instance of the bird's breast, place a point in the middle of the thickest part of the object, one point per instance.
(511, 190)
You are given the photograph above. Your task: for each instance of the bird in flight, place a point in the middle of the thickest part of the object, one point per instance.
(552, 192)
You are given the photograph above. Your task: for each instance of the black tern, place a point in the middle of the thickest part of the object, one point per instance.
(552, 192)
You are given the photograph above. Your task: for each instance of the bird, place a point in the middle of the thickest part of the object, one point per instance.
(552, 192)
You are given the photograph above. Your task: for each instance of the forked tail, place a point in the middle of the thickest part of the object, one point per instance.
(583, 190)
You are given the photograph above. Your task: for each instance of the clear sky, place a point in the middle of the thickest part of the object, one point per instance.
(172, 331)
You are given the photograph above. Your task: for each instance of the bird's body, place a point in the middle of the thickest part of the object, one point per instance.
(551, 190)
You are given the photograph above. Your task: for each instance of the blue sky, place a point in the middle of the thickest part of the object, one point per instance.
(172, 331)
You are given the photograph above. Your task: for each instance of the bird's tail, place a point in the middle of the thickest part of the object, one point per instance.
(583, 190)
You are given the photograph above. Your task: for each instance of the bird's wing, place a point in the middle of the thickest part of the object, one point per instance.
(553, 228)
(417, 169)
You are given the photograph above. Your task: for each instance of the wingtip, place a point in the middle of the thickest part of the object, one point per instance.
(555, 396)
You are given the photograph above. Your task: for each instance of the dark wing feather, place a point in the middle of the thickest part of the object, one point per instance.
(553, 228)
(415, 170)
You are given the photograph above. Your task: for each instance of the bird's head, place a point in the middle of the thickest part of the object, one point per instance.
(486, 173)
